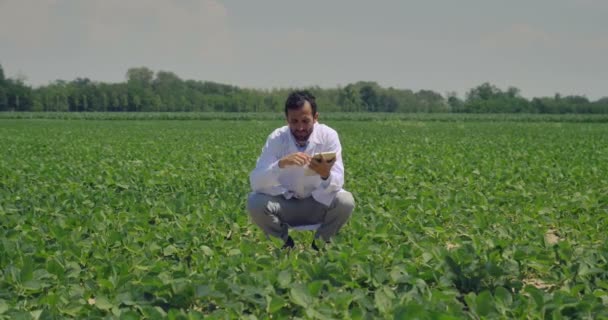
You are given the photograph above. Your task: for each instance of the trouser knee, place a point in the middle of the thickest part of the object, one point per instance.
(262, 211)
(257, 204)
(344, 202)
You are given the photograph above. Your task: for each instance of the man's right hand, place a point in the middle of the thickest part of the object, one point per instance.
(295, 159)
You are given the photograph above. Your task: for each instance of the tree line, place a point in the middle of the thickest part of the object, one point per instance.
(164, 91)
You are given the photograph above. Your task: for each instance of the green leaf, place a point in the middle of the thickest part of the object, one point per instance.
(410, 311)
(3, 306)
(284, 278)
(471, 300)
(36, 314)
(54, 267)
(104, 283)
(299, 295)
(275, 304)
(203, 291)
(315, 314)
(484, 303)
(382, 301)
(27, 269)
(103, 303)
(21, 315)
(503, 296)
(153, 312)
(537, 295)
(34, 285)
(234, 252)
(129, 315)
(170, 250)
(125, 298)
(314, 288)
(207, 251)
(398, 274)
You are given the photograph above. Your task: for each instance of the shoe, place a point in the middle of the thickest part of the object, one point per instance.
(288, 243)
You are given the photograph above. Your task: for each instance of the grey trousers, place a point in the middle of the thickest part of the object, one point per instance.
(275, 214)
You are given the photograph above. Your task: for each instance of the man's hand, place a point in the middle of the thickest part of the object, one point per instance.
(322, 166)
(295, 159)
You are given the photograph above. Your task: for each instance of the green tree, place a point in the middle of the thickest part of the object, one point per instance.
(349, 99)
(369, 96)
(141, 76)
(485, 91)
(2, 78)
(487, 98)
(455, 103)
(145, 90)
(431, 101)
(3, 99)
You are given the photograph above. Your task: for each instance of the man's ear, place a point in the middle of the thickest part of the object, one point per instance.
(316, 117)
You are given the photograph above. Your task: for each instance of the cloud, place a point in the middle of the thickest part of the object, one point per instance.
(598, 43)
(517, 36)
(193, 29)
(590, 4)
(185, 28)
(26, 24)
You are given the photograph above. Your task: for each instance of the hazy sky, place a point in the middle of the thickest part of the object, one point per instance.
(539, 46)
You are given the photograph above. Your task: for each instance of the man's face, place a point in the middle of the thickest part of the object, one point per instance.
(301, 122)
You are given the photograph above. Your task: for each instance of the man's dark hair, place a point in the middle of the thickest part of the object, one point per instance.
(297, 99)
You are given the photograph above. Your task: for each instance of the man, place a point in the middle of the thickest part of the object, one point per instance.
(285, 194)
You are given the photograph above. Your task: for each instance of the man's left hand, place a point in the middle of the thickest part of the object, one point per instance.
(321, 166)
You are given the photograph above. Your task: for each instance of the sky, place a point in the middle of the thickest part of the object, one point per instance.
(539, 46)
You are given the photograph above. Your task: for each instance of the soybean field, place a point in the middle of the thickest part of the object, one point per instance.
(460, 219)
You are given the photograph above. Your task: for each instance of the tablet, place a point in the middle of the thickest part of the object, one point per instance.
(328, 157)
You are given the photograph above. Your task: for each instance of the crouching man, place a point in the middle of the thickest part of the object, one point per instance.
(290, 187)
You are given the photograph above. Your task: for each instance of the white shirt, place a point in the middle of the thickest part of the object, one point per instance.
(292, 181)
